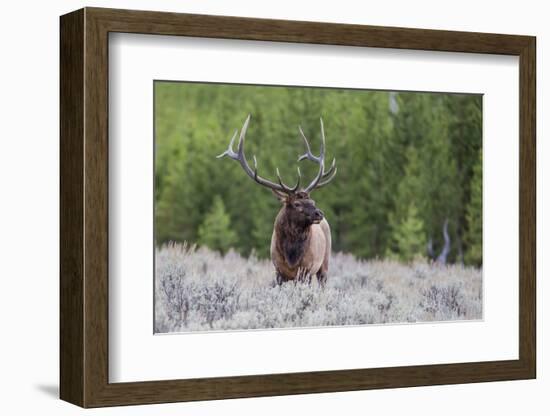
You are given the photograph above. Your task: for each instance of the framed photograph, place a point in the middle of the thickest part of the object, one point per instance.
(255, 207)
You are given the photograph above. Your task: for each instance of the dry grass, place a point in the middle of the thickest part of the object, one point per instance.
(197, 289)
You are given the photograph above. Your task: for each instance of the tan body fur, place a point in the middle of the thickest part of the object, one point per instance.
(315, 257)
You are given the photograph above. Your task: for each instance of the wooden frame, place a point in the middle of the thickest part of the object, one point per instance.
(84, 207)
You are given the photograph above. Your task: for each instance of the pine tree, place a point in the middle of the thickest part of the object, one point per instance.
(171, 220)
(408, 234)
(474, 217)
(422, 124)
(465, 129)
(409, 237)
(215, 231)
(371, 182)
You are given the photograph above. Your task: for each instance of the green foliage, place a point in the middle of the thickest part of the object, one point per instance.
(429, 177)
(215, 231)
(393, 151)
(474, 217)
(408, 236)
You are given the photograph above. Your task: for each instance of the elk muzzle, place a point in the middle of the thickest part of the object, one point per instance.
(318, 216)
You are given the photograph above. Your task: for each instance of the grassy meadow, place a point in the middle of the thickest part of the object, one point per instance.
(198, 289)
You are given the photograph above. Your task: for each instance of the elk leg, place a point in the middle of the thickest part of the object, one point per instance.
(279, 278)
(322, 277)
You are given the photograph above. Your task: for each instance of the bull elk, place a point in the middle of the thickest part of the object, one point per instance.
(301, 242)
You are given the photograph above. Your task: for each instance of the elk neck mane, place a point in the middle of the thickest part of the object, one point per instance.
(292, 238)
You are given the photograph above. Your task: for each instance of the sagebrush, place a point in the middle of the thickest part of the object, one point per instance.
(197, 289)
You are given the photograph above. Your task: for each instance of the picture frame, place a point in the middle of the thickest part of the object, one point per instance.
(84, 215)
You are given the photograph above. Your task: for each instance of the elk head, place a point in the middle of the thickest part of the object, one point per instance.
(301, 210)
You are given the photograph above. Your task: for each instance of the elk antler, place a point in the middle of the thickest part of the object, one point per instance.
(323, 177)
(241, 158)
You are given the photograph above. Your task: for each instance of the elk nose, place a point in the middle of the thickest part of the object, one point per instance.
(319, 214)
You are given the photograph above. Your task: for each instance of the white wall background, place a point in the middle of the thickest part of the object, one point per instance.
(29, 158)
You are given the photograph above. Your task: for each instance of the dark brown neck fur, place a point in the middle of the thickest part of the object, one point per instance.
(292, 238)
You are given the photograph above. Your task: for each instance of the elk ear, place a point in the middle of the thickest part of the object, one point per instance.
(281, 196)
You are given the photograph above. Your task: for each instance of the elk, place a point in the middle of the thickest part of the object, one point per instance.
(301, 241)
